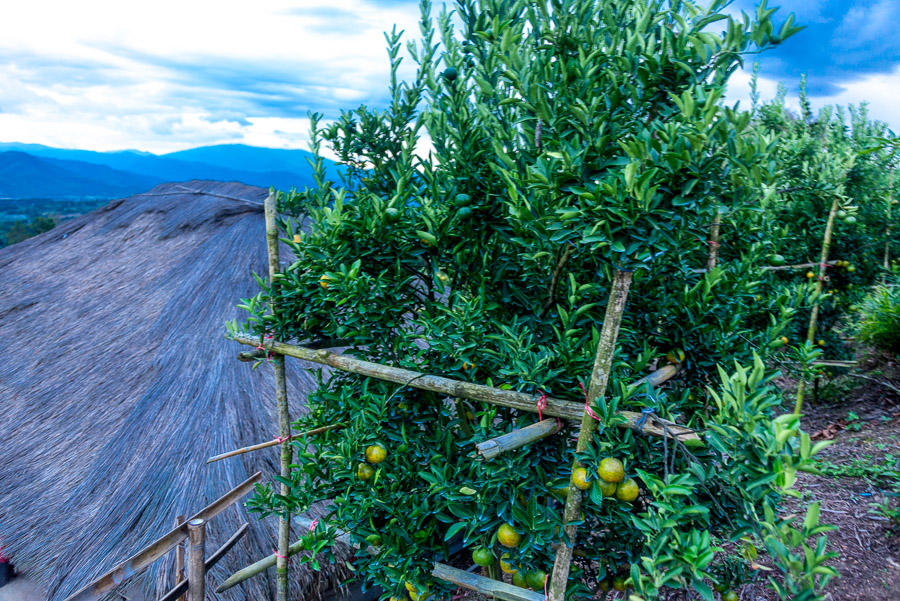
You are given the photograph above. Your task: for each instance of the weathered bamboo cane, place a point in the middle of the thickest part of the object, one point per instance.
(486, 586)
(179, 559)
(272, 443)
(468, 390)
(284, 417)
(182, 587)
(143, 558)
(606, 347)
(489, 449)
(820, 286)
(713, 242)
(196, 563)
(798, 266)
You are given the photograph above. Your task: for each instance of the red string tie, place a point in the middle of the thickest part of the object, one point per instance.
(541, 405)
(281, 556)
(587, 405)
(281, 439)
(546, 577)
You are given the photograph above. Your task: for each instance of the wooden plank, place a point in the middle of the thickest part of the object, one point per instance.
(485, 586)
(458, 388)
(143, 558)
(182, 587)
(271, 443)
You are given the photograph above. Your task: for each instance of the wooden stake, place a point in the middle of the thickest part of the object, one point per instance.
(486, 586)
(182, 587)
(713, 242)
(467, 390)
(606, 347)
(143, 558)
(281, 398)
(272, 443)
(820, 286)
(179, 559)
(196, 563)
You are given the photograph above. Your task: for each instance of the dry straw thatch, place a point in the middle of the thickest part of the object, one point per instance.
(117, 385)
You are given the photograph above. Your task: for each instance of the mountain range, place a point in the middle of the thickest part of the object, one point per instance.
(36, 171)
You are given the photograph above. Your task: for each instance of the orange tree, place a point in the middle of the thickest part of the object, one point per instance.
(574, 144)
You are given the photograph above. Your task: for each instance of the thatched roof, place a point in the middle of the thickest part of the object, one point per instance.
(117, 385)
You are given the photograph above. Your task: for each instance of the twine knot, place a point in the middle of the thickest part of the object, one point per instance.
(645, 412)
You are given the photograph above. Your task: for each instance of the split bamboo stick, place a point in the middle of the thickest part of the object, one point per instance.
(272, 443)
(179, 559)
(196, 563)
(468, 390)
(606, 347)
(486, 586)
(143, 558)
(281, 398)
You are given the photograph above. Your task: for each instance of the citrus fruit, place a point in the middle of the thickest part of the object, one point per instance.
(821, 343)
(777, 260)
(323, 281)
(296, 238)
(618, 583)
(851, 268)
(729, 596)
(810, 275)
(720, 588)
(507, 536)
(611, 470)
(675, 356)
(579, 478)
(464, 213)
(607, 489)
(841, 214)
(506, 567)
(519, 580)
(604, 584)
(375, 453)
(374, 540)
(462, 200)
(784, 339)
(450, 74)
(850, 220)
(410, 586)
(392, 215)
(364, 471)
(627, 491)
(536, 579)
(482, 556)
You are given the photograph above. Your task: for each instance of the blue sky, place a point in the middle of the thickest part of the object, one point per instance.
(168, 75)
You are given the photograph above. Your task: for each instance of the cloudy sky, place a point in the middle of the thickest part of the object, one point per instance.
(168, 75)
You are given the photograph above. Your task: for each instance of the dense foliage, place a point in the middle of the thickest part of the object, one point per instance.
(570, 141)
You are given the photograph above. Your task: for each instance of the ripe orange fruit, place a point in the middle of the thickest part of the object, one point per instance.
(506, 567)
(482, 556)
(627, 491)
(410, 587)
(611, 470)
(810, 275)
(579, 478)
(675, 356)
(323, 281)
(364, 471)
(375, 453)
(821, 343)
(784, 339)
(507, 536)
(296, 238)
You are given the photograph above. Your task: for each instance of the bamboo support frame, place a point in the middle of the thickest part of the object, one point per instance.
(196, 560)
(606, 347)
(887, 245)
(272, 443)
(155, 550)
(820, 286)
(798, 266)
(179, 559)
(182, 587)
(486, 586)
(490, 449)
(281, 398)
(457, 388)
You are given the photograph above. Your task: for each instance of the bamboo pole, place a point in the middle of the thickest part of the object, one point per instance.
(196, 563)
(272, 443)
(798, 266)
(468, 390)
(281, 398)
(606, 347)
(713, 242)
(820, 286)
(182, 587)
(887, 245)
(489, 449)
(179, 559)
(143, 558)
(486, 586)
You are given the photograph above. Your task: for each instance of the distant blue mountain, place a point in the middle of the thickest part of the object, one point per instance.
(74, 172)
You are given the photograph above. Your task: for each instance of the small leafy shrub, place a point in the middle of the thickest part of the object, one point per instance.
(879, 323)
